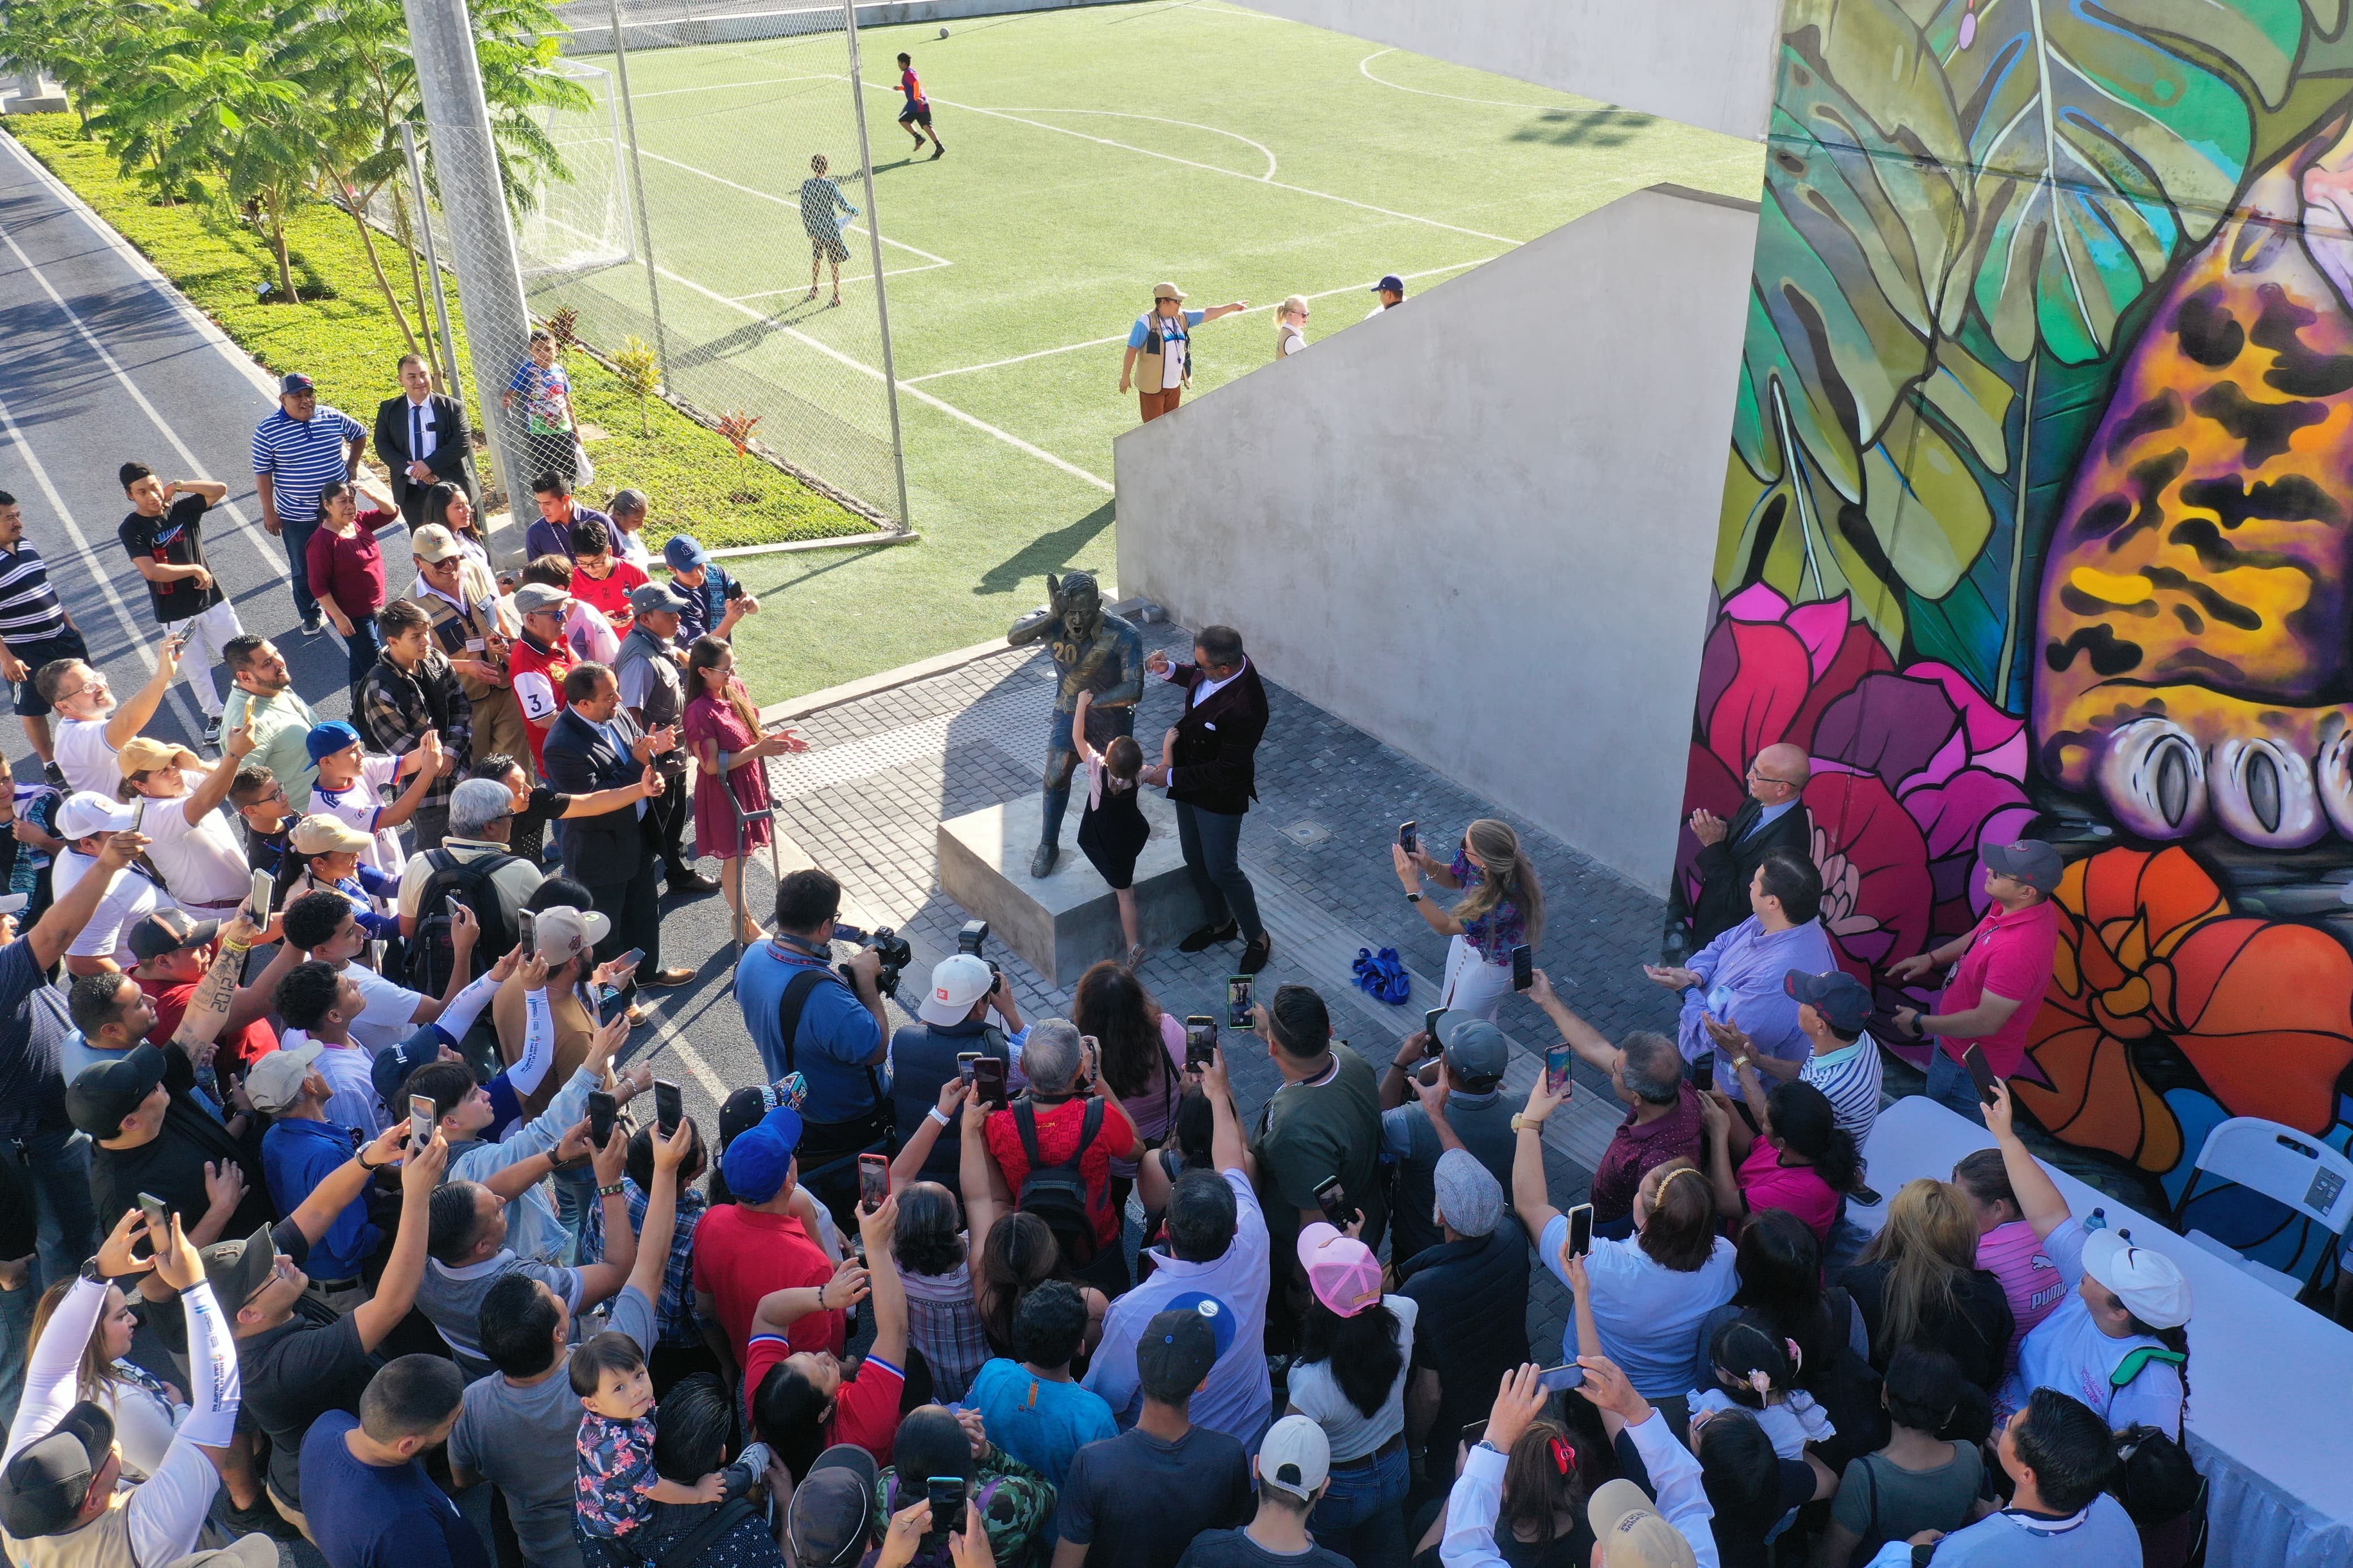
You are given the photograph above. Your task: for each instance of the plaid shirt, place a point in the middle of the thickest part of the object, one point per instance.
(675, 1320)
(398, 706)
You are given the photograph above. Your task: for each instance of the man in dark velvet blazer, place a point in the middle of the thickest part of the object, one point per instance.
(421, 413)
(1210, 769)
(1774, 816)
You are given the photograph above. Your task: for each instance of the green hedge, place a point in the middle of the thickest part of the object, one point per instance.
(345, 338)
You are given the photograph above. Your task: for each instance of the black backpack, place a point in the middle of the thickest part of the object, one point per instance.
(1848, 1389)
(1058, 1194)
(468, 881)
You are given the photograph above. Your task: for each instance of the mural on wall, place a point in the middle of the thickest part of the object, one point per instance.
(2038, 515)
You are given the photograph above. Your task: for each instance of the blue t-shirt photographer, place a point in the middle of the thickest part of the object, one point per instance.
(838, 1048)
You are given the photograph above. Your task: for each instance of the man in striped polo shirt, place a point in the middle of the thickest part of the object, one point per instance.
(34, 630)
(296, 452)
(1843, 1061)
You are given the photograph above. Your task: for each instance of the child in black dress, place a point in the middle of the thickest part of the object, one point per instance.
(1112, 831)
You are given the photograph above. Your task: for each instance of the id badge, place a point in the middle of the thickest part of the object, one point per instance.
(1719, 1003)
(475, 645)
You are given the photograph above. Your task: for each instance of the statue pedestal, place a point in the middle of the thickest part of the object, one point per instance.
(30, 93)
(1068, 921)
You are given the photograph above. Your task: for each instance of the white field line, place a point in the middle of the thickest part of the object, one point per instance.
(1121, 338)
(794, 206)
(1364, 65)
(1162, 120)
(726, 86)
(829, 351)
(861, 278)
(1214, 169)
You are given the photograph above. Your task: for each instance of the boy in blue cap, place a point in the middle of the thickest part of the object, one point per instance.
(714, 601)
(351, 784)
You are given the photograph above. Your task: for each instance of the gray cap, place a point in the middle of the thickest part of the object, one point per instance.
(1469, 1199)
(655, 596)
(1475, 1049)
(2029, 860)
(535, 596)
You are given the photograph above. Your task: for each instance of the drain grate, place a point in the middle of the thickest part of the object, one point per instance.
(1306, 833)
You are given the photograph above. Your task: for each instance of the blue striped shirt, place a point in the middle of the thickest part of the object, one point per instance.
(30, 611)
(302, 457)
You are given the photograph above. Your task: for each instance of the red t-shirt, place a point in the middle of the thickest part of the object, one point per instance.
(610, 594)
(245, 1047)
(740, 1255)
(1769, 1185)
(866, 1411)
(351, 569)
(541, 699)
(1057, 1138)
(2010, 955)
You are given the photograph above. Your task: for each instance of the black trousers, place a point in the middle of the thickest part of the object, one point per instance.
(635, 906)
(669, 811)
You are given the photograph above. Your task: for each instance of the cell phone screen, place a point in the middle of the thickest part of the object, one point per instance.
(988, 1077)
(1580, 1230)
(420, 1119)
(1524, 967)
(1980, 1071)
(1429, 1027)
(1555, 1069)
(603, 1111)
(946, 1494)
(873, 1181)
(1200, 1040)
(965, 1062)
(257, 899)
(1554, 1379)
(527, 932)
(1333, 1201)
(1704, 1073)
(669, 1107)
(1409, 837)
(1238, 988)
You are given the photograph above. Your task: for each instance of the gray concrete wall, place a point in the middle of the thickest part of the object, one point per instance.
(1703, 62)
(651, 28)
(1481, 527)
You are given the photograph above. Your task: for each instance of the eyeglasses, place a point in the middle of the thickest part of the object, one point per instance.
(1761, 776)
(97, 682)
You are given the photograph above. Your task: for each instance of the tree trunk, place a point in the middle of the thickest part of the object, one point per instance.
(277, 219)
(376, 263)
(446, 374)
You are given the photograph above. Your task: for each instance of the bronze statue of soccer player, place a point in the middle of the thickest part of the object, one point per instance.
(1093, 651)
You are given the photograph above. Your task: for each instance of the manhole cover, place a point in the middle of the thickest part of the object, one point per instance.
(1306, 833)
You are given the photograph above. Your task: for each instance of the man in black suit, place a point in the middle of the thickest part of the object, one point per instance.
(1209, 764)
(594, 744)
(425, 442)
(1774, 816)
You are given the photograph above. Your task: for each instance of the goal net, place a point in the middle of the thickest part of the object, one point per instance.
(582, 219)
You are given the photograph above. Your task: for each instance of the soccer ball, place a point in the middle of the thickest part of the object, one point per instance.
(944, 32)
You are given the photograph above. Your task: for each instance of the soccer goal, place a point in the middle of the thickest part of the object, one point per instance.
(582, 220)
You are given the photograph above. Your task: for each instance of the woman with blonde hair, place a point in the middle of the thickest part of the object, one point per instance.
(1290, 326)
(723, 730)
(1918, 1284)
(1503, 908)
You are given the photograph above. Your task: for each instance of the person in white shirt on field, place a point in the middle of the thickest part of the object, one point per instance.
(91, 725)
(192, 841)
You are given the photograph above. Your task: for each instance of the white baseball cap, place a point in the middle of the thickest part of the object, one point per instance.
(1295, 1457)
(86, 812)
(958, 981)
(2148, 1283)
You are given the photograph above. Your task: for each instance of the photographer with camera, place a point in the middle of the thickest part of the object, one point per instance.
(829, 1026)
(952, 1021)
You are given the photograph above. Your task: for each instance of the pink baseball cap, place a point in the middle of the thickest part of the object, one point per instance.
(1341, 1270)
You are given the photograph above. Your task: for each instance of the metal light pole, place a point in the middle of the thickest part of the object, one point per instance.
(473, 200)
(432, 262)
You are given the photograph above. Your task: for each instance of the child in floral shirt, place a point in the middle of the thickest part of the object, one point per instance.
(618, 1485)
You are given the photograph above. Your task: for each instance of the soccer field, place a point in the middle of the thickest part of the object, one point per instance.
(1092, 151)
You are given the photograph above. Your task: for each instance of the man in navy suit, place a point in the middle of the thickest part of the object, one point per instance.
(1774, 816)
(1208, 765)
(594, 744)
(425, 442)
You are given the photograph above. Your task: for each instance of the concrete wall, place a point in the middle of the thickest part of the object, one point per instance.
(1481, 527)
(1705, 62)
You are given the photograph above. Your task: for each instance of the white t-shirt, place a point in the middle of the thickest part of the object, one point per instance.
(1648, 1314)
(2068, 1352)
(83, 755)
(1293, 340)
(204, 864)
(360, 806)
(131, 899)
(1315, 1393)
(387, 1011)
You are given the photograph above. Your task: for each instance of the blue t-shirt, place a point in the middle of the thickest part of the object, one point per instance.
(1039, 1422)
(1143, 328)
(32, 1082)
(379, 1516)
(836, 1039)
(2102, 1535)
(296, 1156)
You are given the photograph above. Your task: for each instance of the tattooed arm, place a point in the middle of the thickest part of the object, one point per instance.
(208, 1005)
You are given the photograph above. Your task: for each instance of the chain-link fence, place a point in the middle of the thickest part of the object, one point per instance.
(660, 244)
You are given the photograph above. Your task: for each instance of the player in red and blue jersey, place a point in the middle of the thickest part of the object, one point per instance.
(917, 116)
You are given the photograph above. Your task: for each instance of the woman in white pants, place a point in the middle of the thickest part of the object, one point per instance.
(1504, 908)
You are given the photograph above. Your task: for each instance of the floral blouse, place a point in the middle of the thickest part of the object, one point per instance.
(616, 1470)
(1501, 929)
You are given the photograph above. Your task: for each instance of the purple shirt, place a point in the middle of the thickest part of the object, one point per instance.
(1740, 980)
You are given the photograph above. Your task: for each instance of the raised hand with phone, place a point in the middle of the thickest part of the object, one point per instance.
(1493, 928)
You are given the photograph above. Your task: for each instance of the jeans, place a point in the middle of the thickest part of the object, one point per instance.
(360, 650)
(1472, 984)
(1211, 843)
(69, 1220)
(295, 535)
(16, 1343)
(1950, 1085)
(576, 1195)
(1362, 1516)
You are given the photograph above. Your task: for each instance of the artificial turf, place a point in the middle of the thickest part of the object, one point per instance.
(1091, 153)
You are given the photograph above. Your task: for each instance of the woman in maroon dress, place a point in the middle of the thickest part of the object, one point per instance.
(720, 718)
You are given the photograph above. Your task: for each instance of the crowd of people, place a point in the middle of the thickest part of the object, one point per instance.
(335, 1199)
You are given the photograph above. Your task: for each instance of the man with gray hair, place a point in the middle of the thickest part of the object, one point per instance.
(1472, 1290)
(473, 865)
(1064, 1125)
(1662, 1119)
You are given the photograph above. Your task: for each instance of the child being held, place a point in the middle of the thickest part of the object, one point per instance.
(618, 1484)
(1759, 1373)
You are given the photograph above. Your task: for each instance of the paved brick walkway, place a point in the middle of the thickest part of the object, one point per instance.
(883, 770)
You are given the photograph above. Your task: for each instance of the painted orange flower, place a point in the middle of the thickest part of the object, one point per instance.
(2148, 949)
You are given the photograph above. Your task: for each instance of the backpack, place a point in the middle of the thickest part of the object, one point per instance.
(431, 956)
(1058, 1194)
(1847, 1390)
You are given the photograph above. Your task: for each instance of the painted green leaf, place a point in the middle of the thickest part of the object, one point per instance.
(2100, 146)
(1973, 399)
(1928, 514)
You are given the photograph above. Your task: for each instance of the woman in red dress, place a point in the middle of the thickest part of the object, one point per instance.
(720, 718)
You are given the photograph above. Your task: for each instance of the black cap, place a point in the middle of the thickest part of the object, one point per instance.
(1176, 1351)
(236, 1269)
(1838, 996)
(106, 1092)
(833, 1512)
(44, 1487)
(169, 931)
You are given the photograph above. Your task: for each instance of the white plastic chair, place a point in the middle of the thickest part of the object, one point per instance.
(2287, 1166)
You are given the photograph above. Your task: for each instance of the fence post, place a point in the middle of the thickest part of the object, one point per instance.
(874, 233)
(457, 388)
(638, 194)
